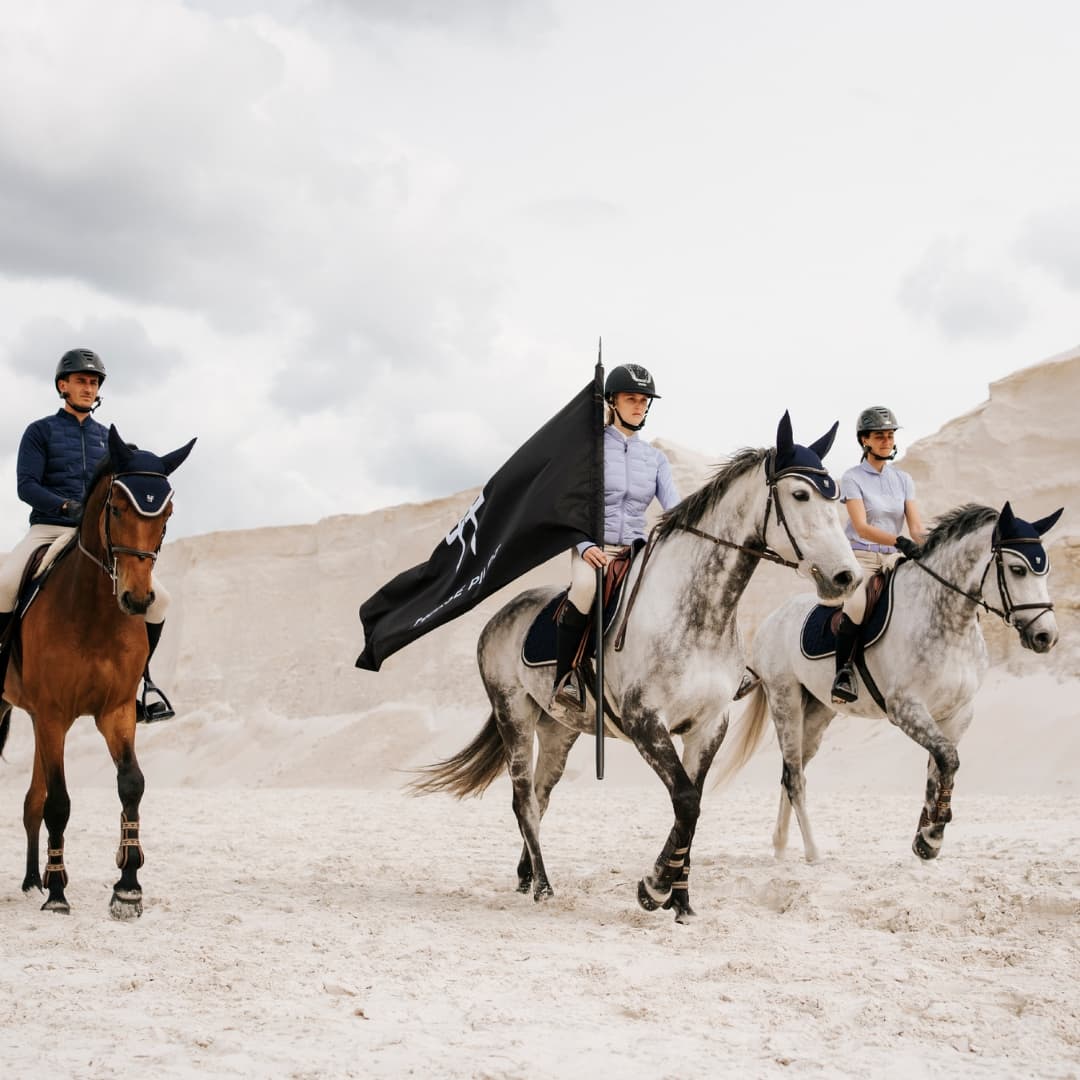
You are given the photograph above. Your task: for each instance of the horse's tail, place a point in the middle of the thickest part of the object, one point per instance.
(5, 723)
(470, 771)
(748, 735)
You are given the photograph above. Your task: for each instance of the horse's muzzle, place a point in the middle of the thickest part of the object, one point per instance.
(132, 605)
(837, 587)
(1038, 640)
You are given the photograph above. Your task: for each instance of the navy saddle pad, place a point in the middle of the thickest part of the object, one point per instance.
(539, 647)
(818, 639)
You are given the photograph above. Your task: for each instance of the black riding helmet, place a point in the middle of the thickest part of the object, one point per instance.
(629, 379)
(75, 361)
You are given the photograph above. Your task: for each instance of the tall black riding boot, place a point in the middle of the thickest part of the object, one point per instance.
(149, 712)
(5, 618)
(568, 631)
(845, 687)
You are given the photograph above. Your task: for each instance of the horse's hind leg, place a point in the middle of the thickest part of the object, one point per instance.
(800, 723)
(555, 742)
(516, 716)
(48, 799)
(118, 729)
(33, 811)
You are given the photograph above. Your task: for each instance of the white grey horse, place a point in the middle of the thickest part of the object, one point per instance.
(926, 666)
(680, 658)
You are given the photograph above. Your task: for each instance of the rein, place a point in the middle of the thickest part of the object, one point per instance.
(1008, 609)
(108, 565)
(763, 552)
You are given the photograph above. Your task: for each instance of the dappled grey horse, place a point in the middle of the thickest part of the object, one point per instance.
(926, 666)
(680, 656)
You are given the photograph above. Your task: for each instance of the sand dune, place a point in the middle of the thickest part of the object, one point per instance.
(306, 918)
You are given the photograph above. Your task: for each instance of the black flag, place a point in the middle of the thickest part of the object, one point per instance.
(545, 499)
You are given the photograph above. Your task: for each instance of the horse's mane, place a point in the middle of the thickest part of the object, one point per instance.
(694, 507)
(956, 523)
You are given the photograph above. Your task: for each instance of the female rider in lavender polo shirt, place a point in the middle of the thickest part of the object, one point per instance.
(880, 500)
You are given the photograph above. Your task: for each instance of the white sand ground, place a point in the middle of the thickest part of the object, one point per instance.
(305, 918)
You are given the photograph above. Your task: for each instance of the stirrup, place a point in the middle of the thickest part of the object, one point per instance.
(153, 711)
(844, 688)
(567, 694)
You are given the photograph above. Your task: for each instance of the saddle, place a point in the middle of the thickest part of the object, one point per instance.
(538, 648)
(818, 637)
(41, 563)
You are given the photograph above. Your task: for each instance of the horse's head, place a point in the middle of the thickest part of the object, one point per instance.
(805, 523)
(127, 512)
(1023, 569)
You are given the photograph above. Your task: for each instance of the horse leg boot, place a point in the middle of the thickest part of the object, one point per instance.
(148, 713)
(845, 687)
(568, 634)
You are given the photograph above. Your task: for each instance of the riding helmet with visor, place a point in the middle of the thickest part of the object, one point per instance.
(76, 361)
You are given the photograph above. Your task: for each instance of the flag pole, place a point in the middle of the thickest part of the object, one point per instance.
(598, 603)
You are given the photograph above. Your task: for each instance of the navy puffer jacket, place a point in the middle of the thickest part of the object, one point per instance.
(57, 458)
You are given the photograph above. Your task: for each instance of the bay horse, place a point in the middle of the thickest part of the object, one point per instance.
(927, 664)
(81, 651)
(678, 657)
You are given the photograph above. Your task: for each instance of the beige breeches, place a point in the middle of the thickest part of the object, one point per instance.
(13, 564)
(871, 562)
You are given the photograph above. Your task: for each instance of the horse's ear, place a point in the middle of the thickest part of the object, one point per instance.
(785, 442)
(1044, 525)
(119, 453)
(175, 459)
(1006, 520)
(824, 444)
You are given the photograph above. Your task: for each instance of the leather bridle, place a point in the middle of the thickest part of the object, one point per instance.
(997, 560)
(109, 565)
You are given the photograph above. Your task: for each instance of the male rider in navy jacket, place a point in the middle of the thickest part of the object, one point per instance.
(57, 458)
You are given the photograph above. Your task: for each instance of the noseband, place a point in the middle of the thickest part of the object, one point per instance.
(997, 560)
(112, 550)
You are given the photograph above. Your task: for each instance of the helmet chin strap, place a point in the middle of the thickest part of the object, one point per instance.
(867, 452)
(626, 423)
(84, 409)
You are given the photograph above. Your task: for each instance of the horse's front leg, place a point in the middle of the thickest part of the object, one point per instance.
(655, 746)
(937, 805)
(118, 729)
(914, 720)
(701, 741)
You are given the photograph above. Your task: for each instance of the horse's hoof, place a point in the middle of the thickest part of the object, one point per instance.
(32, 883)
(684, 913)
(61, 907)
(543, 892)
(649, 899)
(125, 905)
(524, 884)
(922, 848)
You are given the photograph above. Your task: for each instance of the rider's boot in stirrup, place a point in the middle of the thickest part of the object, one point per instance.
(845, 687)
(568, 633)
(152, 711)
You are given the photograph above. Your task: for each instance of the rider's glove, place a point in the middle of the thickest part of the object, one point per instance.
(908, 548)
(72, 509)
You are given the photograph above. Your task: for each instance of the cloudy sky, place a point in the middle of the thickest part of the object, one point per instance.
(363, 248)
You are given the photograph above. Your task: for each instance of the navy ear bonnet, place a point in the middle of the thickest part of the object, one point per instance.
(1024, 538)
(144, 482)
(804, 461)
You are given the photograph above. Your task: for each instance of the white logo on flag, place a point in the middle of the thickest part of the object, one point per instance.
(457, 533)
